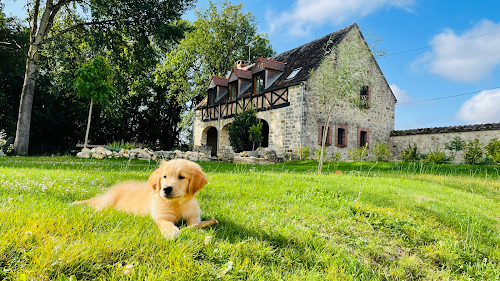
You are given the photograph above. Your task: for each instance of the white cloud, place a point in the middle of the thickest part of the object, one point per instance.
(468, 60)
(308, 13)
(481, 108)
(401, 95)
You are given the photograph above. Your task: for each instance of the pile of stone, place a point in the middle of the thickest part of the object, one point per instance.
(190, 155)
(265, 156)
(101, 153)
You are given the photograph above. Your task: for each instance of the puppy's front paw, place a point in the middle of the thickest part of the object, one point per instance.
(171, 232)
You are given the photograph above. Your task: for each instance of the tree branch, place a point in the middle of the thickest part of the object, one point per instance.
(76, 26)
(34, 27)
(8, 43)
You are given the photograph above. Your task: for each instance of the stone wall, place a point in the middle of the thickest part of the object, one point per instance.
(428, 139)
(378, 119)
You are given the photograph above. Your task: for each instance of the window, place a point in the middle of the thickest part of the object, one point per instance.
(294, 73)
(341, 135)
(321, 129)
(212, 93)
(364, 96)
(258, 83)
(363, 138)
(233, 90)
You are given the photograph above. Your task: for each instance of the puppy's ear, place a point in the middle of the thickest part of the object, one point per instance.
(154, 179)
(198, 179)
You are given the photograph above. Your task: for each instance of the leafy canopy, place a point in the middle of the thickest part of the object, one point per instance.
(93, 80)
(218, 38)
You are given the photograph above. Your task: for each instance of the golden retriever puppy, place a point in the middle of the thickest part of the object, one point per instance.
(168, 196)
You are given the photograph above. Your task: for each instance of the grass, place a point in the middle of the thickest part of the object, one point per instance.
(374, 221)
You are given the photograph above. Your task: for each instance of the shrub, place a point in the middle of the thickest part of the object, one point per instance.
(436, 157)
(473, 152)
(239, 130)
(358, 153)
(410, 153)
(336, 157)
(493, 149)
(456, 145)
(305, 153)
(380, 151)
(117, 146)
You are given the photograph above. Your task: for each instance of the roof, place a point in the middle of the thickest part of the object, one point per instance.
(449, 129)
(242, 74)
(271, 64)
(220, 81)
(307, 56)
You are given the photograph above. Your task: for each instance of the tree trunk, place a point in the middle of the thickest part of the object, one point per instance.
(323, 141)
(21, 142)
(88, 123)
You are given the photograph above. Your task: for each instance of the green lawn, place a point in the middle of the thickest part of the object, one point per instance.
(281, 222)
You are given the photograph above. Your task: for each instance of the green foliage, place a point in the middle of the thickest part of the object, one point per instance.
(239, 130)
(457, 144)
(473, 152)
(217, 39)
(336, 157)
(358, 153)
(118, 145)
(93, 80)
(437, 156)
(380, 151)
(409, 154)
(305, 153)
(317, 153)
(256, 134)
(493, 149)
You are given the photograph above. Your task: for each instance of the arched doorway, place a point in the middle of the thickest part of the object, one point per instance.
(212, 140)
(265, 133)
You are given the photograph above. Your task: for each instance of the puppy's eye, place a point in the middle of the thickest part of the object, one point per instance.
(181, 177)
(164, 177)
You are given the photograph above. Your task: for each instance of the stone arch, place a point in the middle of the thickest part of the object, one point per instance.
(209, 137)
(265, 133)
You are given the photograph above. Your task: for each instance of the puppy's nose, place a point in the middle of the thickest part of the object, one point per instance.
(167, 190)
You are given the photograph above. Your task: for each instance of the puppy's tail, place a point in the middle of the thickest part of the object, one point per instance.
(95, 202)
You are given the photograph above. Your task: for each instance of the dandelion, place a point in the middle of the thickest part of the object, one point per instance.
(338, 172)
(208, 239)
(253, 207)
(262, 222)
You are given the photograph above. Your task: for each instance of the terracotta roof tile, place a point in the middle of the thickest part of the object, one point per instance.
(220, 81)
(271, 64)
(242, 74)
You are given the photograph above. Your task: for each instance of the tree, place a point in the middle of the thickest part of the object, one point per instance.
(344, 70)
(456, 145)
(239, 130)
(256, 134)
(137, 19)
(218, 38)
(14, 40)
(93, 81)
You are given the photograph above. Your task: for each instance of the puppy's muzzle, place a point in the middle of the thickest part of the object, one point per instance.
(168, 191)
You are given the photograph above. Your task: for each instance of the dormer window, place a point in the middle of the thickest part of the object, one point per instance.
(233, 90)
(212, 94)
(258, 83)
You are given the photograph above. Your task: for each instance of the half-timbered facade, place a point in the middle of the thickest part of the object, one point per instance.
(278, 89)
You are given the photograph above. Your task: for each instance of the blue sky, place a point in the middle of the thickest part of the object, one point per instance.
(470, 63)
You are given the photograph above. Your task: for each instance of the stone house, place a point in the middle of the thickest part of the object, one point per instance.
(279, 89)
